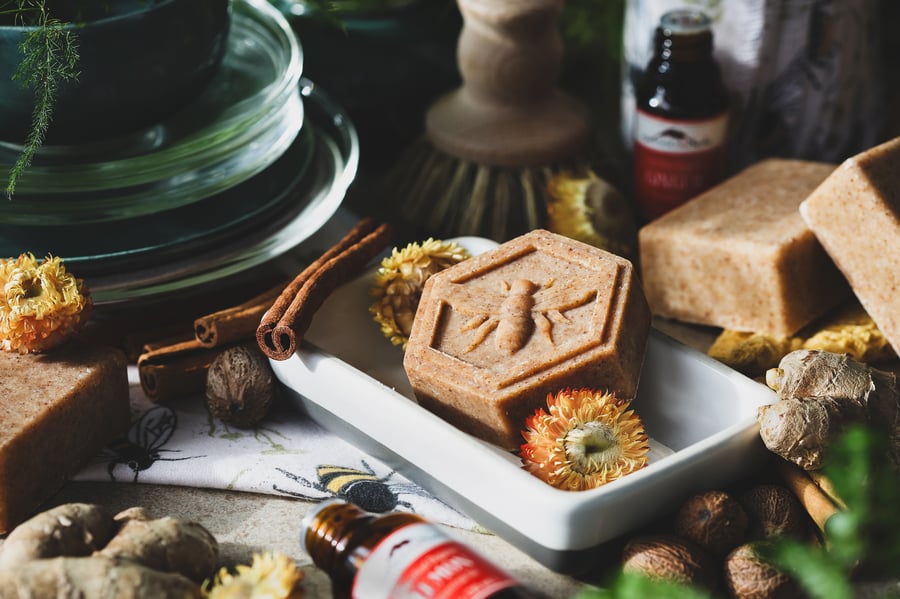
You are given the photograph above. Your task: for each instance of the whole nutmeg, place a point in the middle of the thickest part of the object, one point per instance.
(749, 576)
(774, 511)
(714, 520)
(240, 386)
(669, 558)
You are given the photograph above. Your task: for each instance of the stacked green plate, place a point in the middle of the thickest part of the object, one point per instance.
(246, 172)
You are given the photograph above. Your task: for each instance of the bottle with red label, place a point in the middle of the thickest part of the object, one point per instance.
(681, 120)
(399, 555)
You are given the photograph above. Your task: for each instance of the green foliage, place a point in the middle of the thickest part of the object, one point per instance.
(50, 58)
(589, 25)
(862, 542)
(636, 586)
(812, 569)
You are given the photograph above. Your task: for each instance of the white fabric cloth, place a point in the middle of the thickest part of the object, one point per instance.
(287, 454)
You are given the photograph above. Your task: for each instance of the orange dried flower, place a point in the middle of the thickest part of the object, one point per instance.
(41, 305)
(587, 439)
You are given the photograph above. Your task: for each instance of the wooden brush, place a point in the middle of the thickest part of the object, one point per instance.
(492, 145)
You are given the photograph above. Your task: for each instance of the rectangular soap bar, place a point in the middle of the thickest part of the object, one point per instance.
(855, 213)
(59, 410)
(740, 256)
(495, 334)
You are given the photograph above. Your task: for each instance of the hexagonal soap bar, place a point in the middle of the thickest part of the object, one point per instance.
(495, 334)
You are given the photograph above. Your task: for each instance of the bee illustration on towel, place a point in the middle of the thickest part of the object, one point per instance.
(362, 487)
(523, 306)
(143, 446)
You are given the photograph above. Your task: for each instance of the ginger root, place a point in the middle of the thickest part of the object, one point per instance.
(820, 393)
(75, 529)
(94, 576)
(78, 550)
(166, 544)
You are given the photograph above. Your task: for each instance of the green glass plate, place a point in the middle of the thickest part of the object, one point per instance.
(114, 246)
(308, 205)
(245, 120)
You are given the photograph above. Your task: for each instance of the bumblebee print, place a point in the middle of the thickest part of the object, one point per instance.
(361, 487)
(143, 446)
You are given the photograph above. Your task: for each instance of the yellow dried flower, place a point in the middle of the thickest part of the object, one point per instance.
(269, 576)
(852, 331)
(42, 303)
(591, 210)
(587, 439)
(751, 353)
(399, 282)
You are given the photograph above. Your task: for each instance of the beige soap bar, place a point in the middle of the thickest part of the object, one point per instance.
(740, 256)
(59, 410)
(497, 333)
(855, 214)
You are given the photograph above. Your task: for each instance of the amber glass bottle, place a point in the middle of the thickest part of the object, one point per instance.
(399, 555)
(681, 119)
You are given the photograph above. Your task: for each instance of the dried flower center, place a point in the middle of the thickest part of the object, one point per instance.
(31, 287)
(590, 446)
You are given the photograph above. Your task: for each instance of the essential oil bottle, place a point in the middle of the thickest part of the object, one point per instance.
(399, 555)
(681, 117)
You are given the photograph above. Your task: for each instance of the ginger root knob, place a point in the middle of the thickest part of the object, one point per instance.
(79, 550)
(820, 394)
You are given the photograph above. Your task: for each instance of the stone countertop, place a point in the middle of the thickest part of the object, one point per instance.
(245, 523)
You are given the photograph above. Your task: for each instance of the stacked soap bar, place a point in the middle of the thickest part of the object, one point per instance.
(855, 213)
(740, 255)
(495, 334)
(59, 410)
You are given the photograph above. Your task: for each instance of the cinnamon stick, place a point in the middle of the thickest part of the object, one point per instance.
(173, 371)
(134, 336)
(819, 507)
(284, 324)
(827, 487)
(234, 323)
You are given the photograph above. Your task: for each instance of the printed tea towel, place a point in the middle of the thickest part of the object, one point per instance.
(805, 76)
(287, 454)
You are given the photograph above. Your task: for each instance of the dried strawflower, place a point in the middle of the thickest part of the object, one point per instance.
(587, 439)
(42, 303)
(589, 209)
(399, 282)
(269, 576)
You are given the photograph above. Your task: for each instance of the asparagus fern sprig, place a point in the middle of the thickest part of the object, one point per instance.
(50, 58)
(863, 542)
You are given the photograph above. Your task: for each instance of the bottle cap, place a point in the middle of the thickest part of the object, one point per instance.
(310, 517)
(685, 22)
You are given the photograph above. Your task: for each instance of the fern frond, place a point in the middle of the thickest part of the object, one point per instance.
(50, 58)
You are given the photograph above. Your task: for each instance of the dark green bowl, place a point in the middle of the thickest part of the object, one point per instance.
(139, 64)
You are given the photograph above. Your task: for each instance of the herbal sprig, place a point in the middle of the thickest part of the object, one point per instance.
(50, 58)
(638, 586)
(862, 542)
